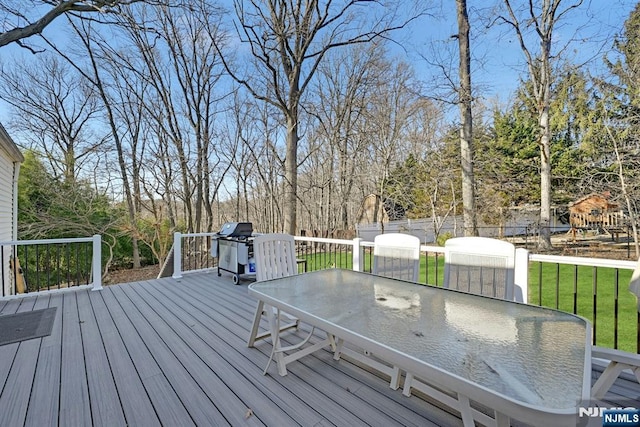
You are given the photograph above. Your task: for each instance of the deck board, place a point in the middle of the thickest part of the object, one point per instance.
(75, 407)
(173, 352)
(43, 402)
(14, 404)
(198, 358)
(106, 409)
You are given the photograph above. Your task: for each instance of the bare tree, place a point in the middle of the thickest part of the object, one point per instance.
(345, 83)
(625, 189)
(57, 109)
(288, 40)
(22, 11)
(389, 110)
(542, 19)
(175, 56)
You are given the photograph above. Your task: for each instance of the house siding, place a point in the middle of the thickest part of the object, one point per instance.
(10, 159)
(7, 200)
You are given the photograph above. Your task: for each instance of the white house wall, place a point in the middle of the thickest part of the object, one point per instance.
(10, 160)
(7, 200)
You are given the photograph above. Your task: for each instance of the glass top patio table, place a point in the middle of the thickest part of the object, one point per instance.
(493, 351)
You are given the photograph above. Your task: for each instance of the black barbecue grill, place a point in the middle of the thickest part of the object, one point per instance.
(233, 246)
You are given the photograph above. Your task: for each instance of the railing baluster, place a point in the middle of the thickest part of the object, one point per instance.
(540, 283)
(575, 289)
(2, 264)
(25, 269)
(77, 246)
(48, 268)
(557, 286)
(87, 264)
(595, 303)
(69, 266)
(615, 309)
(58, 269)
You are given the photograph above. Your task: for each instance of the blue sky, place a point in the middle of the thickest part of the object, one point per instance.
(498, 60)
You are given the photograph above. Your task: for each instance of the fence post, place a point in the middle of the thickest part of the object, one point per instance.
(96, 263)
(177, 255)
(358, 252)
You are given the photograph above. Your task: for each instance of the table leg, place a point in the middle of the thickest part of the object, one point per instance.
(465, 411)
(502, 420)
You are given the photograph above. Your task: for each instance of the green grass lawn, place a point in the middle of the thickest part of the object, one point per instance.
(563, 287)
(593, 294)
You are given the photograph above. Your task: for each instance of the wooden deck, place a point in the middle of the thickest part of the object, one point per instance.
(167, 352)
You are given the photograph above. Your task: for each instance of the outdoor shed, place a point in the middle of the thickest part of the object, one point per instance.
(10, 160)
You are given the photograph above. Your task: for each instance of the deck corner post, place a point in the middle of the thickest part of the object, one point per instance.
(96, 262)
(358, 253)
(177, 255)
(521, 273)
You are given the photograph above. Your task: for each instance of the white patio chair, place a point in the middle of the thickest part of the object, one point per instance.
(395, 255)
(275, 257)
(482, 266)
(616, 361)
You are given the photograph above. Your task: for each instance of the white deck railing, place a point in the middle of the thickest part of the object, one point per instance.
(23, 260)
(191, 252)
(320, 253)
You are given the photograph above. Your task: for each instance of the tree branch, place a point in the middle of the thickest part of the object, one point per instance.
(16, 34)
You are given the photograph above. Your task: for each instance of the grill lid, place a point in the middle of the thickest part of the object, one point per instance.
(236, 229)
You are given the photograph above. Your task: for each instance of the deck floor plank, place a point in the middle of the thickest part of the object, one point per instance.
(299, 393)
(229, 343)
(45, 392)
(13, 405)
(75, 408)
(106, 409)
(219, 379)
(173, 352)
(333, 398)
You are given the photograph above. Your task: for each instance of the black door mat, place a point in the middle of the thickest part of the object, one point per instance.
(26, 325)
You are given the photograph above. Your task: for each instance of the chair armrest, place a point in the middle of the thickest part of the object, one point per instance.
(617, 362)
(614, 355)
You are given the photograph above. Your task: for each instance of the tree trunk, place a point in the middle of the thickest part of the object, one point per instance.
(466, 122)
(544, 103)
(291, 174)
(545, 181)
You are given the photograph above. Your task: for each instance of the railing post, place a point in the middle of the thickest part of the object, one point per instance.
(358, 254)
(177, 255)
(521, 273)
(96, 263)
